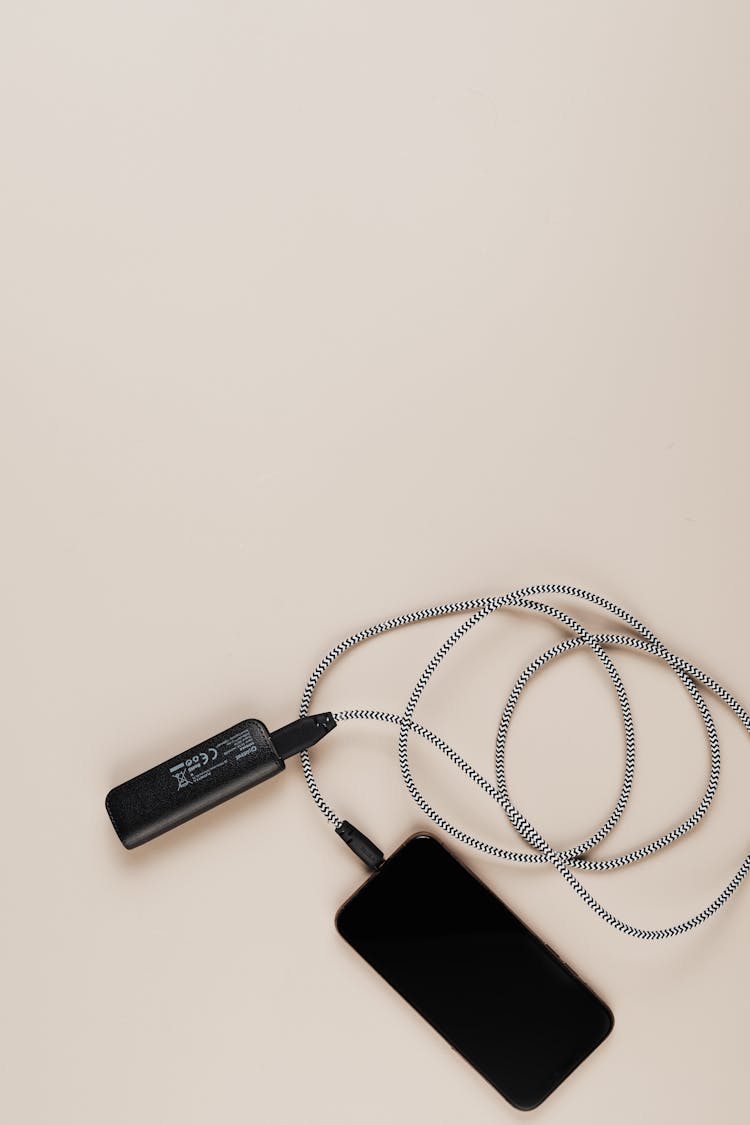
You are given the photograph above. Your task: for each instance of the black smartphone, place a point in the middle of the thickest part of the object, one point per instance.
(473, 970)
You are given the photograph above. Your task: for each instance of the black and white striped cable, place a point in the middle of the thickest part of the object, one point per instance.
(576, 858)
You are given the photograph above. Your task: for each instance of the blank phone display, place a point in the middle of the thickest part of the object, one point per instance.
(474, 971)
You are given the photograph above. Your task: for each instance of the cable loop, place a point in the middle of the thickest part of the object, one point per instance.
(577, 857)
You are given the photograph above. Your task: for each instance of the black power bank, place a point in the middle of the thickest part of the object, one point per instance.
(473, 970)
(208, 774)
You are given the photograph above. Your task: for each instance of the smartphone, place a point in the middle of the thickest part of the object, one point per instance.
(499, 996)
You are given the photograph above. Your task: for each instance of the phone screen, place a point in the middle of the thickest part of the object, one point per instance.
(474, 971)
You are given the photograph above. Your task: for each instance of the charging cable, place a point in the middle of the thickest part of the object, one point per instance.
(578, 857)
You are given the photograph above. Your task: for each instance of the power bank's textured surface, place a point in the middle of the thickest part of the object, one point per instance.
(484, 981)
(191, 782)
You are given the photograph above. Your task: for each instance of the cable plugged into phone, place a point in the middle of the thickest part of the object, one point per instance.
(361, 845)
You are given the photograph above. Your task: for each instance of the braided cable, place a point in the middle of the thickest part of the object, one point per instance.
(575, 858)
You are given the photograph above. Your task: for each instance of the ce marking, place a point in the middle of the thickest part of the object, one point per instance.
(202, 759)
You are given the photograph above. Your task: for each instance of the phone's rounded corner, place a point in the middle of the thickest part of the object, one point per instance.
(337, 919)
(526, 1108)
(420, 837)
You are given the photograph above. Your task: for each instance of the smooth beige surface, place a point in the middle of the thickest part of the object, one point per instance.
(313, 314)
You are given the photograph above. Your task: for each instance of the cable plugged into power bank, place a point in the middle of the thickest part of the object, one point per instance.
(302, 734)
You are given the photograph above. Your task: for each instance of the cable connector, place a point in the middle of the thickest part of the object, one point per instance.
(361, 845)
(302, 734)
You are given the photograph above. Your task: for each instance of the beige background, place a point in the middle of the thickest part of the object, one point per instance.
(314, 313)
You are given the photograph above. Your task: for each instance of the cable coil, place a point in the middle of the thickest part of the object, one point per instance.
(575, 858)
